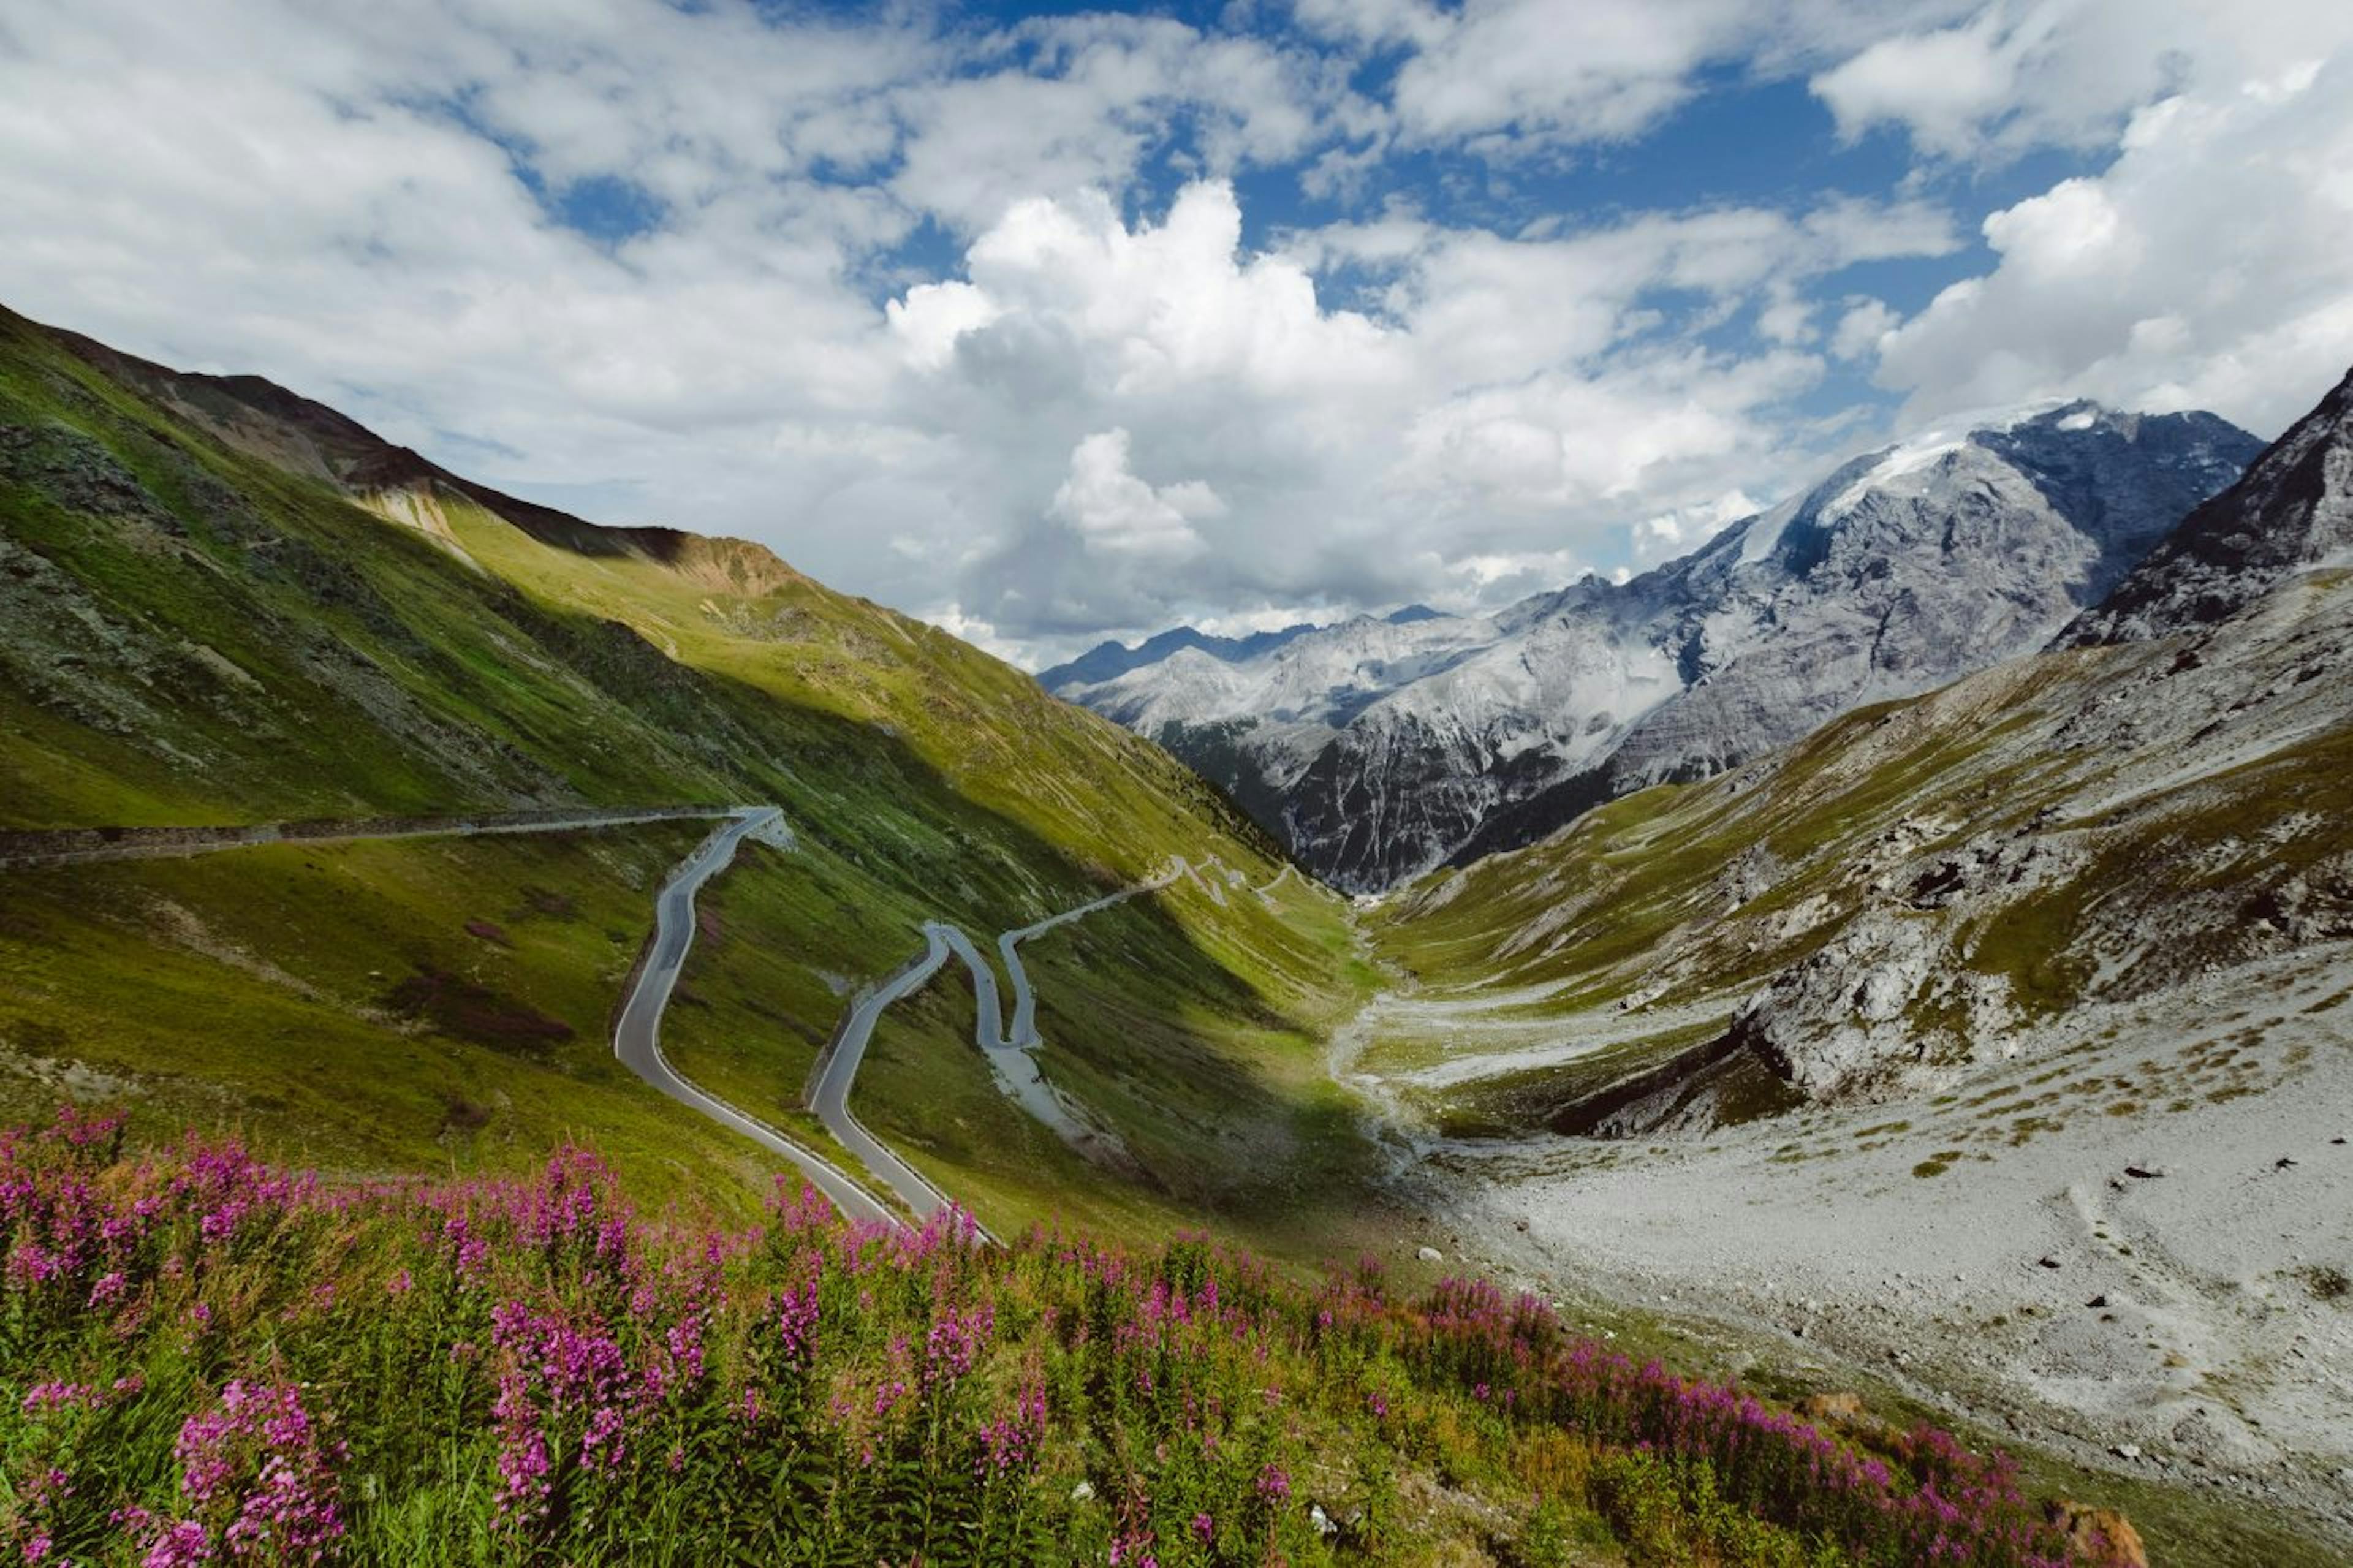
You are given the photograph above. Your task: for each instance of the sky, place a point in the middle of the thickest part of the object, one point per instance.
(1050, 324)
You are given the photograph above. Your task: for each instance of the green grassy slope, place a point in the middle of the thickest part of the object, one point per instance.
(332, 1003)
(220, 604)
(1206, 1069)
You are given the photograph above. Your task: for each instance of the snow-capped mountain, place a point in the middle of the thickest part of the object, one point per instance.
(1378, 749)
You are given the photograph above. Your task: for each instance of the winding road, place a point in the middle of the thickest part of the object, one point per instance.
(636, 1038)
(637, 1035)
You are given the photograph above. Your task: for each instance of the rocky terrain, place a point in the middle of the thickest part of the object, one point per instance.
(2293, 514)
(2130, 1240)
(1379, 749)
(1999, 1040)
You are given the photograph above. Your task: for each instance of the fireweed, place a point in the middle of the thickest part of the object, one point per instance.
(208, 1360)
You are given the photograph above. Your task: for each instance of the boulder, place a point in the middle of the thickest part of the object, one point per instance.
(1835, 1409)
(2098, 1534)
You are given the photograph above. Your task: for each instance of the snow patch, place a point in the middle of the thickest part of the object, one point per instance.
(1923, 451)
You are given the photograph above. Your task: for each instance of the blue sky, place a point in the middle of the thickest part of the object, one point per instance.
(1049, 324)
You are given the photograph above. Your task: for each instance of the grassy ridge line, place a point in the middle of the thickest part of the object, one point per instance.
(525, 669)
(91, 846)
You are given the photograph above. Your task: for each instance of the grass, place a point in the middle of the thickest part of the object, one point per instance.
(1212, 1086)
(1685, 898)
(784, 939)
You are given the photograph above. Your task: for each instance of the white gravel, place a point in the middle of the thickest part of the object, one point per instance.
(2216, 1355)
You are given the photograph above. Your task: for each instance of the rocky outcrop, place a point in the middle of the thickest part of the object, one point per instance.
(2098, 1534)
(2291, 511)
(1839, 1022)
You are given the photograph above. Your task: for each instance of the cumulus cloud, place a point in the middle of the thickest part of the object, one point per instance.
(1511, 406)
(1116, 513)
(1865, 325)
(1593, 69)
(2023, 73)
(2210, 266)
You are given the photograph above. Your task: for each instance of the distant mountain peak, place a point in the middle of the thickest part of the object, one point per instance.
(1110, 659)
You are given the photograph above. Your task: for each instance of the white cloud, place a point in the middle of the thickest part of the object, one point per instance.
(1515, 401)
(2210, 266)
(1860, 330)
(2022, 73)
(1586, 70)
(1944, 85)
(1116, 512)
(1669, 534)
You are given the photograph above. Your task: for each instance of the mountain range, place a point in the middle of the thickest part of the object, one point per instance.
(1379, 749)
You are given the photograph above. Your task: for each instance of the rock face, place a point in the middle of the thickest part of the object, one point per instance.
(2291, 511)
(1842, 1017)
(1378, 749)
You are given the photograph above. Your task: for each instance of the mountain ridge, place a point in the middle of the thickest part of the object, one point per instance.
(286, 429)
(1375, 750)
(237, 632)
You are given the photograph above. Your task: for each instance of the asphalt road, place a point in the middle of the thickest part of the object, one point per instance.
(1022, 1034)
(830, 1099)
(636, 1038)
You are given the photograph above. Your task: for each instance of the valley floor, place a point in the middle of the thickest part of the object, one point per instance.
(2128, 1241)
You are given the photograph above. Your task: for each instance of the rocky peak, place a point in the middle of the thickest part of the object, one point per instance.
(2291, 511)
